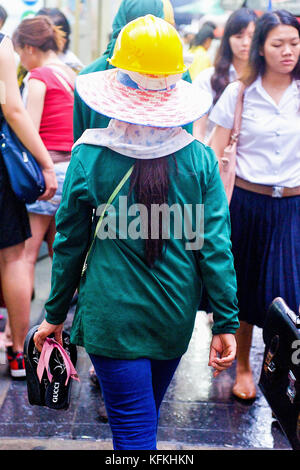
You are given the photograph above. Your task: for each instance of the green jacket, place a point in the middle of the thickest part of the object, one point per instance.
(125, 309)
(85, 117)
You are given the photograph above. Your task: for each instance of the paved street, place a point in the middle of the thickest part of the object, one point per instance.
(198, 412)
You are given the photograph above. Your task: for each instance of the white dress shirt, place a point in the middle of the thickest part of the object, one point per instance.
(203, 80)
(268, 150)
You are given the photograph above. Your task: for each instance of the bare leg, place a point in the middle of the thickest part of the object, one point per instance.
(16, 292)
(39, 225)
(7, 334)
(244, 386)
(50, 235)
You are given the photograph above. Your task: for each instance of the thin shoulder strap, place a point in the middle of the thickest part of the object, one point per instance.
(238, 111)
(62, 75)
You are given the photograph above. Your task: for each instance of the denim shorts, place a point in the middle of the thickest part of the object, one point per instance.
(50, 207)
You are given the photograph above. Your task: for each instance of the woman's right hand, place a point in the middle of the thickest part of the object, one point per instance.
(46, 329)
(50, 183)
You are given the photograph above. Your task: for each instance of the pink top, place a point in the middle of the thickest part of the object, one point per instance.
(56, 129)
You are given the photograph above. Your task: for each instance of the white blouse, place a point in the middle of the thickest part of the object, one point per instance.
(203, 80)
(268, 150)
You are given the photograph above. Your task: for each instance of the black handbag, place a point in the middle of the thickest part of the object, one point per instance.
(280, 374)
(25, 175)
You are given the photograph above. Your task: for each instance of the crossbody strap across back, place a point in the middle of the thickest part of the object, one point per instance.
(110, 200)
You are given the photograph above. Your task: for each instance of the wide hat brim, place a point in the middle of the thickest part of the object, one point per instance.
(105, 94)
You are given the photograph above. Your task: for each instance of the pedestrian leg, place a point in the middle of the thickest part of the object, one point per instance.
(39, 225)
(244, 386)
(16, 292)
(129, 400)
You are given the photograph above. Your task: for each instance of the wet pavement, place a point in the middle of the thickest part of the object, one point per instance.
(198, 412)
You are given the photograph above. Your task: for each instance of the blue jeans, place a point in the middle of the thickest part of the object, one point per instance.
(133, 391)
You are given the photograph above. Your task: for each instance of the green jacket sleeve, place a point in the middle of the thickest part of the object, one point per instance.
(78, 124)
(73, 222)
(216, 259)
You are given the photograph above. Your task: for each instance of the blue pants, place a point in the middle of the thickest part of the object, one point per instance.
(133, 391)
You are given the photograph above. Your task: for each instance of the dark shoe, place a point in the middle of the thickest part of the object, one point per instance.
(102, 414)
(36, 388)
(16, 363)
(93, 377)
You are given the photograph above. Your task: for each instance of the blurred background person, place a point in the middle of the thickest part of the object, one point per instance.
(49, 99)
(265, 205)
(199, 47)
(168, 12)
(230, 63)
(66, 55)
(187, 34)
(14, 222)
(3, 16)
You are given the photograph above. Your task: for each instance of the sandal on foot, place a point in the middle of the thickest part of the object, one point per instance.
(36, 389)
(60, 369)
(244, 396)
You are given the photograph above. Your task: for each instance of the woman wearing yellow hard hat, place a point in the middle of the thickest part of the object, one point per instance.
(84, 117)
(138, 189)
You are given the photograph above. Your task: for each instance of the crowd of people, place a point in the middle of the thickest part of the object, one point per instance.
(107, 138)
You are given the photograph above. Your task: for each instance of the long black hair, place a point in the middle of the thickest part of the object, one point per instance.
(265, 24)
(150, 183)
(237, 22)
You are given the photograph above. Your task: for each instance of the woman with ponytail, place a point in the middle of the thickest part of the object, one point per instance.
(131, 231)
(49, 99)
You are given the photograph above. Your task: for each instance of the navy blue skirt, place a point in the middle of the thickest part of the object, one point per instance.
(266, 249)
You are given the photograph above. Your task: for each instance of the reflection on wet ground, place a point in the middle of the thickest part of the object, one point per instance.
(198, 410)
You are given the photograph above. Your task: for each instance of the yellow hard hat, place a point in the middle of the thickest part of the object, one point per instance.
(149, 45)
